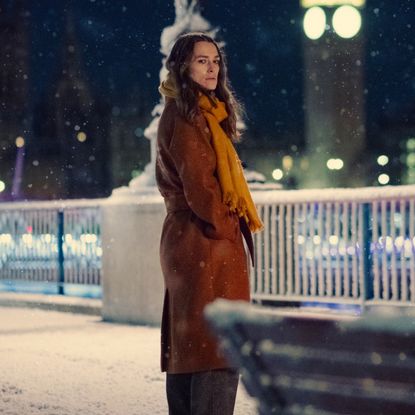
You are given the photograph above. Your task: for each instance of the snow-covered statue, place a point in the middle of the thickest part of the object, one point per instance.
(188, 19)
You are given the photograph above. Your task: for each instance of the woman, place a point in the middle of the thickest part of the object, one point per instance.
(208, 208)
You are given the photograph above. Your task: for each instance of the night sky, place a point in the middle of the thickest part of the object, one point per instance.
(120, 43)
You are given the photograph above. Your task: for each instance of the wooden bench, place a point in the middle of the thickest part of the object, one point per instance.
(296, 363)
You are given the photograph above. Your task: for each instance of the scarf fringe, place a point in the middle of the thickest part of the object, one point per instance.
(234, 187)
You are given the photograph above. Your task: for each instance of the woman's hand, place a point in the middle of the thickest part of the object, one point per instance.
(229, 233)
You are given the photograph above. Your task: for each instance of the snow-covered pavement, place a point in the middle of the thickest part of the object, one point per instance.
(54, 363)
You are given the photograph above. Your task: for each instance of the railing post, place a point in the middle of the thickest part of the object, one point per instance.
(60, 239)
(367, 255)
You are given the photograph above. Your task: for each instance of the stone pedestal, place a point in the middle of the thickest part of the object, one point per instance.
(133, 286)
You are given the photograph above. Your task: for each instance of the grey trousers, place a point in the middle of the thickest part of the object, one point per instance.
(203, 393)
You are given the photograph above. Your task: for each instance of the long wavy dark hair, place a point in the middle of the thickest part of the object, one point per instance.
(178, 63)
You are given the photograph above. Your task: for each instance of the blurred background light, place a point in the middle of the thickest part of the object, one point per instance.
(314, 23)
(20, 142)
(277, 174)
(287, 162)
(383, 178)
(347, 21)
(81, 136)
(335, 164)
(383, 160)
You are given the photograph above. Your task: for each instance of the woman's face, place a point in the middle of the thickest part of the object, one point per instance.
(204, 65)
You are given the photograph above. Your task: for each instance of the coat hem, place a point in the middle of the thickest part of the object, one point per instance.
(200, 369)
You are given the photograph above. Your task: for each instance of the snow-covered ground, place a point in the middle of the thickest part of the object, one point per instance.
(54, 363)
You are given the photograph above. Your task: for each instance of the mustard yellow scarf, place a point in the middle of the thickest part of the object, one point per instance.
(235, 191)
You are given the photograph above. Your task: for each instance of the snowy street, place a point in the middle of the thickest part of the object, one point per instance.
(54, 363)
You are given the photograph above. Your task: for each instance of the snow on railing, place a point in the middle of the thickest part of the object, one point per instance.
(336, 245)
(353, 246)
(57, 242)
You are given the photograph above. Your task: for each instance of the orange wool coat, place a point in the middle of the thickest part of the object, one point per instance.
(202, 253)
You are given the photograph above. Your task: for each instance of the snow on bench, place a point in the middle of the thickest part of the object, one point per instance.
(297, 363)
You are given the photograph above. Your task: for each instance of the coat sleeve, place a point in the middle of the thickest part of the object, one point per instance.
(195, 163)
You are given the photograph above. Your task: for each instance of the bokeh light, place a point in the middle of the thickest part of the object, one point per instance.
(277, 174)
(20, 142)
(314, 23)
(81, 137)
(383, 178)
(383, 160)
(347, 21)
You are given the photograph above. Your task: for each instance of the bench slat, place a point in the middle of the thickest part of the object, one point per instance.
(305, 366)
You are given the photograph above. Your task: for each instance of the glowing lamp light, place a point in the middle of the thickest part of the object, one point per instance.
(383, 178)
(399, 242)
(332, 3)
(88, 238)
(335, 164)
(351, 250)
(347, 21)
(325, 251)
(47, 238)
(277, 174)
(314, 23)
(287, 162)
(2, 186)
(333, 239)
(301, 239)
(410, 144)
(20, 142)
(27, 238)
(81, 137)
(383, 160)
(6, 238)
(304, 164)
(410, 160)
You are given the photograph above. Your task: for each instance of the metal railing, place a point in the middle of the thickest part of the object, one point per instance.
(353, 246)
(350, 246)
(57, 242)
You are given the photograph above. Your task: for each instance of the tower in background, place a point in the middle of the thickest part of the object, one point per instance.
(334, 93)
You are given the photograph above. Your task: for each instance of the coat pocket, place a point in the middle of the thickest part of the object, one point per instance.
(229, 232)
